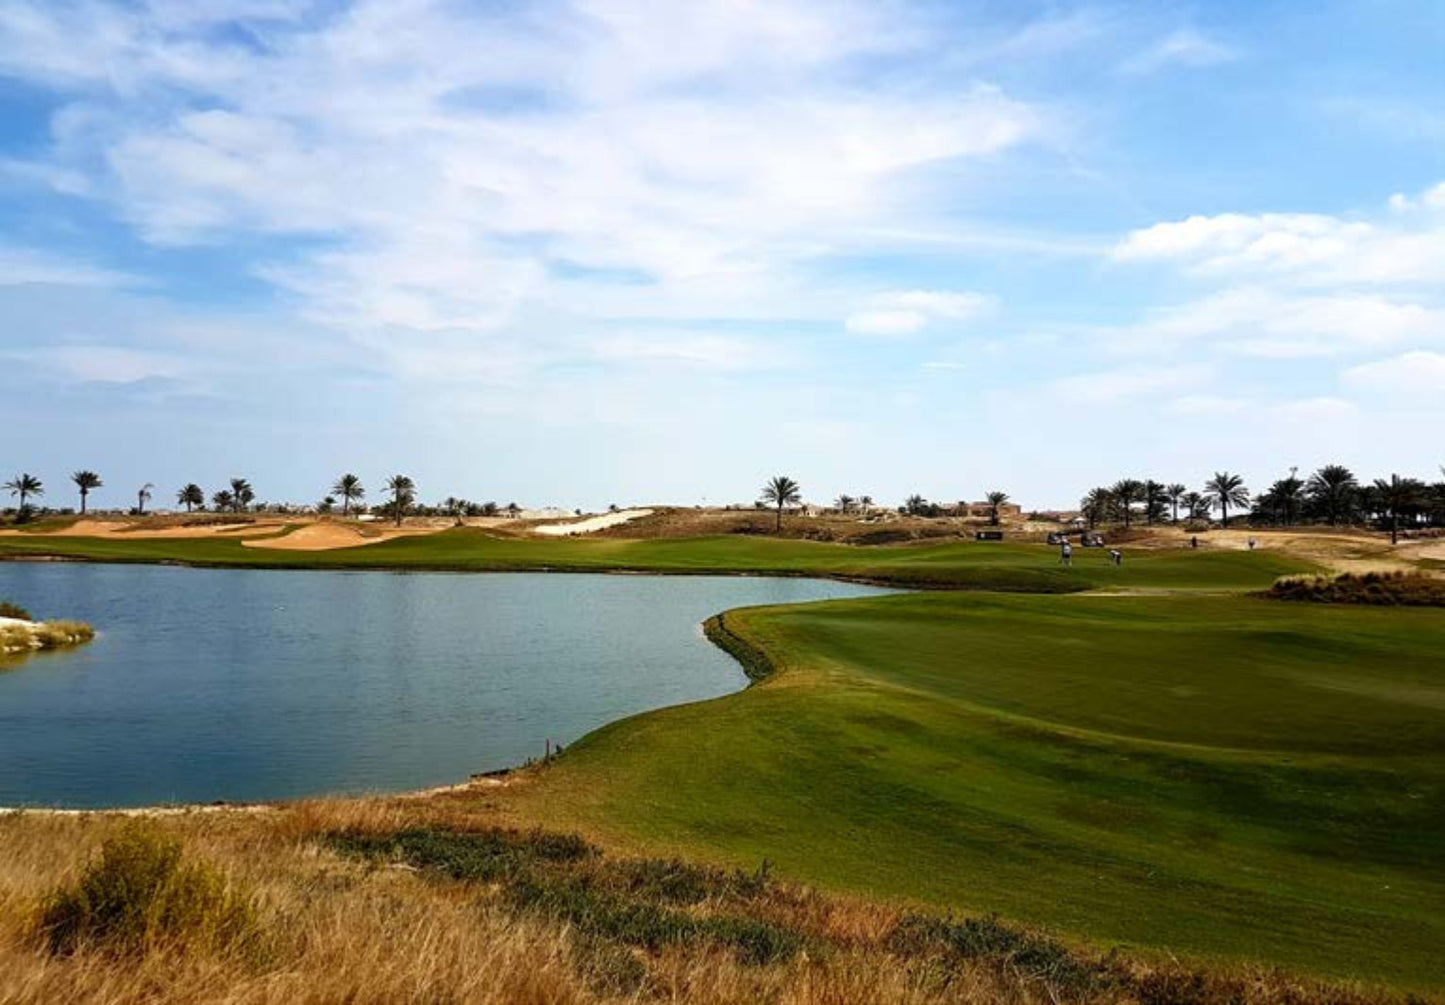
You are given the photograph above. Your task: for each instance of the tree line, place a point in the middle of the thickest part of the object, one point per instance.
(1332, 495)
(238, 496)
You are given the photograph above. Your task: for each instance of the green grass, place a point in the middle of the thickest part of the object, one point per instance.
(1217, 775)
(1194, 771)
(965, 565)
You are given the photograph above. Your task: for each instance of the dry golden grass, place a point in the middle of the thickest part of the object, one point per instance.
(349, 928)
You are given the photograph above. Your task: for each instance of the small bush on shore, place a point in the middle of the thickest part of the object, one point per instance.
(9, 610)
(139, 896)
(1408, 589)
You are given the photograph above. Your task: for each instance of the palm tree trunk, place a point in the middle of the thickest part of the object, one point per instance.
(82, 502)
(1224, 511)
(780, 518)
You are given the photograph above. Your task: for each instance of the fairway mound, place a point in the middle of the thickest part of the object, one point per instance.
(1402, 589)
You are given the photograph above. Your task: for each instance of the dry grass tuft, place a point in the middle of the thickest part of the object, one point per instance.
(1406, 589)
(422, 901)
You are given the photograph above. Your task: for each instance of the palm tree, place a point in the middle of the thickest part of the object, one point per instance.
(350, 489)
(781, 491)
(1395, 496)
(1225, 490)
(995, 500)
(1155, 496)
(403, 491)
(85, 481)
(844, 504)
(1196, 505)
(223, 500)
(1126, 492)
(241, 494)
(914, 504)
(513, 510)
(142, 497)
(865, 503)
(191, 496)
(1333, 491)
(25, 486)
(1289, 495)
(1174, 493)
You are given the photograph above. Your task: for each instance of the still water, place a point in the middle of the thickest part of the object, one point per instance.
(206, 684)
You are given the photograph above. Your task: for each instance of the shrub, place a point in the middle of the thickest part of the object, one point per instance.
(9, 610)
(1033, 956)
(1412, 589)
(139, 895)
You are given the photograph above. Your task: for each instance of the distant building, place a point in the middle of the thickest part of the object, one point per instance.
(983, 511)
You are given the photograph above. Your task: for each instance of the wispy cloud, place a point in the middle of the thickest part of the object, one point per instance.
(905, 312)
(1184, 47)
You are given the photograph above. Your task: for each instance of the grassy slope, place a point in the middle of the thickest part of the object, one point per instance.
(996, 566)
(1105, 765)
(1215, 775)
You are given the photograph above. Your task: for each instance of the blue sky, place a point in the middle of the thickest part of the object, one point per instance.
(606, 251)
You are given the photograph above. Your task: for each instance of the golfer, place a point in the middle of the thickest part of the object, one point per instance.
(1116, 556)
(1066, 553)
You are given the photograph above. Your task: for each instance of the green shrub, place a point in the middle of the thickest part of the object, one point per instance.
(1033, 956)
(629, 903)
(9, 610)
(477, 856)
(139, 895)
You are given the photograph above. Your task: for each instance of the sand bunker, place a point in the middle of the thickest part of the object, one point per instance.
(329, 536)
(591, 524)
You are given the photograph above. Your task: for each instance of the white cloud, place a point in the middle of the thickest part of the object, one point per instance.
(1407, 246)
(1414, 373)
(1322, 410)
(886, 323)
(1260, 321)
(26, 266)
(905, 312)
(1130, 382)
(1184, 47)
(690, 349)
(709, 148)
(1297, 285)
(107, 364)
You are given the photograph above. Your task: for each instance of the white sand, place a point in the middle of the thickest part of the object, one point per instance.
(591, 524)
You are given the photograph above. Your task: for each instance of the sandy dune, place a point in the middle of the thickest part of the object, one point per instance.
(591, 524)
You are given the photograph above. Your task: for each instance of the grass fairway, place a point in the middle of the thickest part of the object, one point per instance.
(1216, 775)
(959, 564)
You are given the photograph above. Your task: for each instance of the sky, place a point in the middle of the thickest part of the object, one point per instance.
(619, 251)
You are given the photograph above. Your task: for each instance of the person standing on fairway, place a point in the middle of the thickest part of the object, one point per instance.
(1066, 553)
(1116, 556)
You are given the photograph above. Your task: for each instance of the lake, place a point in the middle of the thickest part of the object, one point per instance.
(229, 684)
